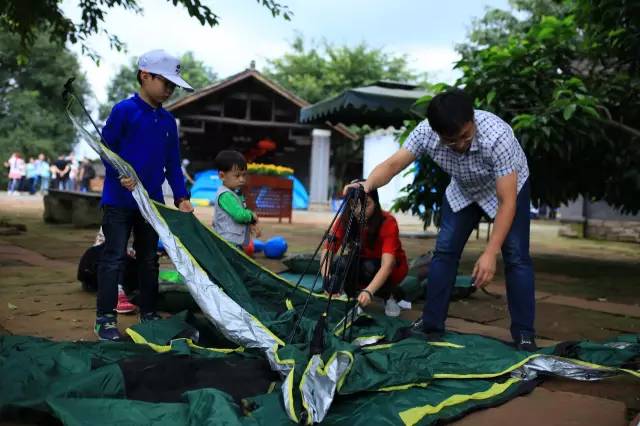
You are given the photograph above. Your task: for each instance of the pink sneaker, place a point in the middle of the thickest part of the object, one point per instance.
(124, 306)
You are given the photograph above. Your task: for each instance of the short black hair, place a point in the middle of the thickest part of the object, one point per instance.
(449, 111)
(139, 77)
(228, 159)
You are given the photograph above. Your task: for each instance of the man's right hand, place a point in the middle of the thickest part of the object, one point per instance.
(128, 182)
(365, 185)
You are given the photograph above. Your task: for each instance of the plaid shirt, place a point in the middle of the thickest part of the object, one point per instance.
(494, 152)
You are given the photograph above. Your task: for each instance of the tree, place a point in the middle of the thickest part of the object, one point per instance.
(32, 117)
(27, 18)
(124, 83)
(315, 72)
(567, 79)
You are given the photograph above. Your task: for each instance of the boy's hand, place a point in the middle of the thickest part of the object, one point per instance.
(128, 182)
(255, 217)
(255, 230)
(185, 206)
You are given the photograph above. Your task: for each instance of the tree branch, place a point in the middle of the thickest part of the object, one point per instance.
(628, 129)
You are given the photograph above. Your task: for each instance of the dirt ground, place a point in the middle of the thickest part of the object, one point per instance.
(585, 290)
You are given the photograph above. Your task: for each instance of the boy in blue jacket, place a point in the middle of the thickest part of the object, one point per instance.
(145, 135)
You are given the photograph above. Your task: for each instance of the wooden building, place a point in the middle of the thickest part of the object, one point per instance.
(247, 108)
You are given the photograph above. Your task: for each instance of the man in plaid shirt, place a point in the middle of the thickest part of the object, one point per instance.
(489, 176)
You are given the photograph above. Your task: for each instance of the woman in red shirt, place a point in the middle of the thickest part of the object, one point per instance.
(383, 263)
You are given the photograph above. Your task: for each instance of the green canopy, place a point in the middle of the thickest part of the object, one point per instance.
(381, 104)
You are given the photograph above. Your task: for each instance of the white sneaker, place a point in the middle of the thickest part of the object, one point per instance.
(404, 305)
(391, 308)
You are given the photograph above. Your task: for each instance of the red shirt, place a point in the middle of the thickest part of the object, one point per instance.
(388, 241)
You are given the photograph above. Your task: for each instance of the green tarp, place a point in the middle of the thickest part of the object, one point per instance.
(303, 268)
(394, 379)
(329, 368)
(84, 381)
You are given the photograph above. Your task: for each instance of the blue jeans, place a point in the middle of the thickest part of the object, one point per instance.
(31, 185)
(117, 224)
(44, 184)
(14, 185)
(454, 233)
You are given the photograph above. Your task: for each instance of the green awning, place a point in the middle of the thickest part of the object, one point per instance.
(381, 104)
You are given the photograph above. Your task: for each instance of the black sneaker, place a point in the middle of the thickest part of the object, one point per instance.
(417, 330)
(106, 328)
(526, 344)
(149, 316)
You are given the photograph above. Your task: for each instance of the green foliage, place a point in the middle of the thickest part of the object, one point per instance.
(124, 83)
(27, 18)
(567, 79)
(315, 72)
(32, 118)
(196, 72)
(424, 196)
(121, 86)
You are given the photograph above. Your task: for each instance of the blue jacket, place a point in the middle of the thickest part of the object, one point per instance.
(146, 138)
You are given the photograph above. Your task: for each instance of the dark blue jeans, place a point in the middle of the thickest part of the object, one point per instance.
(454, 233)
(117, 224)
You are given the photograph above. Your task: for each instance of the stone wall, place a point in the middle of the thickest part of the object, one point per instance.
(614, 230)
(603, 222)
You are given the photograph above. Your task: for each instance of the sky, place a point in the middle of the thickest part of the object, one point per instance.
(424, 30)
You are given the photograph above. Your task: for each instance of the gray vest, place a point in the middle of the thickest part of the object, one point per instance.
(225, 226)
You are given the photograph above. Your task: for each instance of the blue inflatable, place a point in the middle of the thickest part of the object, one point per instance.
(205, 186)
(300, 195)
(258, 245)
(275, 248)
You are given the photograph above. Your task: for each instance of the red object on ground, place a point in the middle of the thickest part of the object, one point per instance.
(249, 249)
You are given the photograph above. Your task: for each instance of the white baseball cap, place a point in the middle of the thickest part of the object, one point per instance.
(160, 62)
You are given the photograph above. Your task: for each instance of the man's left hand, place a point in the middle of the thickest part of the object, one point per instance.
(185, 206)
(484, 269)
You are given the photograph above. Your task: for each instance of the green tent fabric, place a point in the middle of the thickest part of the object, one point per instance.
(174, 295)
(329, 363)
(393, 363)
(306, 266)
(79, 382)
(621, 351)
(307, 281)
(170, 276)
